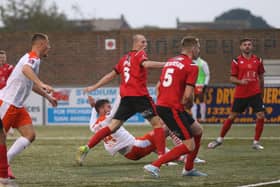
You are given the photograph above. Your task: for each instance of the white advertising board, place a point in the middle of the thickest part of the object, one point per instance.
(73, 107)
(34, 106)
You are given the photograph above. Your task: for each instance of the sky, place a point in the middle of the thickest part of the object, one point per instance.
(163, 13)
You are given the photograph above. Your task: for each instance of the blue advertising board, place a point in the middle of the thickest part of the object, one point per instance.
(73, 107)
(219, 99)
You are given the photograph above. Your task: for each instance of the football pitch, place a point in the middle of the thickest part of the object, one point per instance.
(50, 160)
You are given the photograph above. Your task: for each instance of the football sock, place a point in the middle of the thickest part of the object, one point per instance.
(203, 111)
(150, 136)
(226, 126)
(259, 129)
(159, 140)
(3, 161)
(190, 157)
(174, 138)
(96, 138)
(19, 145)
(194, 111)
(173, 154)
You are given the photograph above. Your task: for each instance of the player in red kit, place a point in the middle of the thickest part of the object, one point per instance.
(175, 89)
(5, 69)
(247, 74)
(135, 98)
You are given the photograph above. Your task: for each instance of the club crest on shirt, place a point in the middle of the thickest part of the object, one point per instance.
(241, 62)
(31, 61)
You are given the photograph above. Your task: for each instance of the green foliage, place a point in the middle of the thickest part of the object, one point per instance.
(50, 161)
(32, 15)
(256, 22)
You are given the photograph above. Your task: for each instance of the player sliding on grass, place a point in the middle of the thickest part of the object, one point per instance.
(121, 141)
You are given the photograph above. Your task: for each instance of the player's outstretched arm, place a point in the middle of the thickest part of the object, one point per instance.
(152, 64)
(30, 74)
(43, 93)
(104, 80)
(114, 109)
(91, 101)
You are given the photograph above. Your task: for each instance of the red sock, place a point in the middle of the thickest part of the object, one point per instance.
(96, 138)
(3, 162)
(173, 154)
(226, 126)
(259, 129)
(190, 157)
(159, 139)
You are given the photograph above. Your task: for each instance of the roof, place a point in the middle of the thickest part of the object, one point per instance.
(214, 25)
(101, 24)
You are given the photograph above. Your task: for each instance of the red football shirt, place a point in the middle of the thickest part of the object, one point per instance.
(5, 71)
(133, 74)
(176, 74)
(249, 69)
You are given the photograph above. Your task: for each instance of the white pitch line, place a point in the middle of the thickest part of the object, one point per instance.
(86, 138)
(261, 184)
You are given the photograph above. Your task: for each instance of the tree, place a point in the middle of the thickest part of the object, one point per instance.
(255, 22)
(32, 15)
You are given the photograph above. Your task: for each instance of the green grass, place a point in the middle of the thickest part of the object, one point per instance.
(50, 161)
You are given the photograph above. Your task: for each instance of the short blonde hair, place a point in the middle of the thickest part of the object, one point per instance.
(2, 52)
(189, 41)
(38, 36)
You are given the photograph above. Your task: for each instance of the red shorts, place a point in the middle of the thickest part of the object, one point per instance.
(142, 146)
(13, 117)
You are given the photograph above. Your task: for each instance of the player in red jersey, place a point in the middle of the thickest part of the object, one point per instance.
(175, 89)
(3, 157)
(247, 74)
(5, 69)
(134, 93)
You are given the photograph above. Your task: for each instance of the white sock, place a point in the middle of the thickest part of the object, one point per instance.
(194, 111)
(203, 110)
(19, 145)
(220, 139)
(255, 142)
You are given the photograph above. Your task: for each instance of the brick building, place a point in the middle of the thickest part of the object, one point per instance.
(80, 58)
